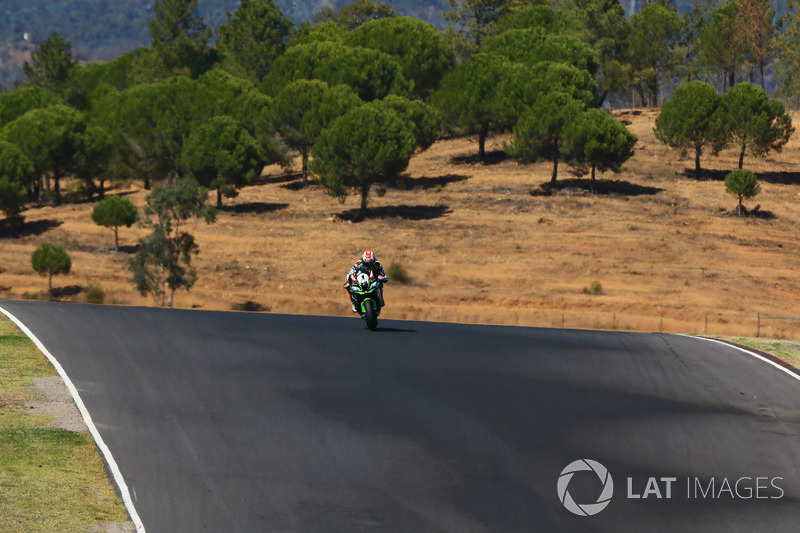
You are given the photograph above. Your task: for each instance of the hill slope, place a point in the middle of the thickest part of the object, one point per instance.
(482, 244)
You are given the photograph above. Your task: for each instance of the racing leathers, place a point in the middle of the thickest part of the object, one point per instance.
(377, 271)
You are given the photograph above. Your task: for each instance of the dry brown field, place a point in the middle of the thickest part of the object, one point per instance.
(480, 243)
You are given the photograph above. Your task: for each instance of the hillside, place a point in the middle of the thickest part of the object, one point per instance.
(105, 29)
(482, 244)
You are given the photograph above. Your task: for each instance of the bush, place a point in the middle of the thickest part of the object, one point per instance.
(93, 294)
(398, 274)
(594, 288)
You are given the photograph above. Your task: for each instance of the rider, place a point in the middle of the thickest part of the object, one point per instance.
(367, 263)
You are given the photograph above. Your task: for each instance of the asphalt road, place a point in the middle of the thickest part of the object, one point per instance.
(232, 422)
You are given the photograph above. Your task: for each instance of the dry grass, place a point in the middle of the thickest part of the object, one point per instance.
(484, 244)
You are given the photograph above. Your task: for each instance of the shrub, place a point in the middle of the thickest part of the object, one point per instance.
(398, 274)
(93, 294)
(594, 288)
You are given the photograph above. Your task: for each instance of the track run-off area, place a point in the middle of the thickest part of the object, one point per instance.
(223, 421)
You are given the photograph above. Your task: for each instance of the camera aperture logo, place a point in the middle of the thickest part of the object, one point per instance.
(659, 488)
(585, 509)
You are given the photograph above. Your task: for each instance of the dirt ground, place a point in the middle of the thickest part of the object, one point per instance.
(654, 250)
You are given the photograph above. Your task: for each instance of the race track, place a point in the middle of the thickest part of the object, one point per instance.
(229, 422)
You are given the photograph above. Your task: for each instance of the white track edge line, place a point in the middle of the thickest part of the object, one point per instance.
(773, 363)
(87, 418)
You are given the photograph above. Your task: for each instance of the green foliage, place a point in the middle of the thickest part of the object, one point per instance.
(532, 46)
(370, 73)
(540, 132)
(49, 137)
(421, 50)
(753, 121)
(552, 21)
(357, 13)
(93, 294)
(51, 260)
(788, 64)
(321, 32)
(475, 19)
(517, 45)
(162, 264)
(425, 121)
(303, 108)
(523, 85)
(51, 64)
(16, 168)
(113, 212)
(254, 35)
(742, 183)
(469, 97)
(16, 103)
(691, 120)
(656, 49)
(367, 145)
(180, 37)
(12, 198)
(222, 94)
(596, 140)
(221, 155)
(154, 120)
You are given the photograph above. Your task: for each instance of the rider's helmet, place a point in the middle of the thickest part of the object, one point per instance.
(368, 258)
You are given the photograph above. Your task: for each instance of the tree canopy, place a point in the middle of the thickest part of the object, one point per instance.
(753, 121)
(690, 120)
(303, 108)
(221, 155)
(367, 145)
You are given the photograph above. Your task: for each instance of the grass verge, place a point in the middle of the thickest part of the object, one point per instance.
(783, 349)
(51, 479)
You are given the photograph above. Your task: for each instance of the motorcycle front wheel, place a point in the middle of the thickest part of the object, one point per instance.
(370, 315)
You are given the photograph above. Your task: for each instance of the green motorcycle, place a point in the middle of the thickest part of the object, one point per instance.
(366, 288)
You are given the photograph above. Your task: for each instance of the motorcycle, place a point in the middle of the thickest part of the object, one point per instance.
(365, 287)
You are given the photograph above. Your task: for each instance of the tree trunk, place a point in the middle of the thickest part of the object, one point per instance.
(57, 180)
(555, 171)
(697, 163)
(116, 238)
(482, 141)
(304, 171)
(50, 282)
(593, 180)
(364, 193)
(602, 99)
(741, 154)
(219, 197)
(739, 208)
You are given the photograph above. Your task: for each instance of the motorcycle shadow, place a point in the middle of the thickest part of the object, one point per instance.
(380, 329)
